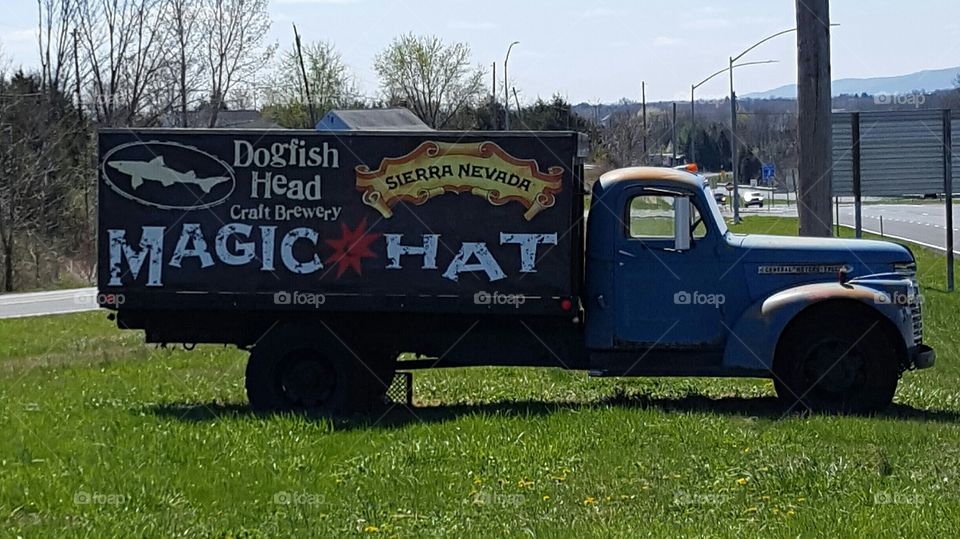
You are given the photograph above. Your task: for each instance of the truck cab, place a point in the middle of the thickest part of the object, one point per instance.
(670, 291)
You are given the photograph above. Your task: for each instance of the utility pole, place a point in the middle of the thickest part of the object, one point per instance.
(493, 99)
(306, 81)
(814, 119)
(517, 100)
(693, 126)
(673, 144)
(734, 166)
(643, 91)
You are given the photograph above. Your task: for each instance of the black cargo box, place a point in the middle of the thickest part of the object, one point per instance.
(355, 221)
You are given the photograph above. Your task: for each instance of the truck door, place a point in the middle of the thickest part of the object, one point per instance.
(667, 274)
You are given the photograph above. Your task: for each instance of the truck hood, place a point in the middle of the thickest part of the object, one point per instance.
(773, 263)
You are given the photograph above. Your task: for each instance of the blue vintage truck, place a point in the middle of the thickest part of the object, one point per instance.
(327, 256)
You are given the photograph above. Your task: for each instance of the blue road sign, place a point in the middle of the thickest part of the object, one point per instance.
(769, 171)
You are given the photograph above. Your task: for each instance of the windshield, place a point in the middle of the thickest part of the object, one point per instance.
(715, 211)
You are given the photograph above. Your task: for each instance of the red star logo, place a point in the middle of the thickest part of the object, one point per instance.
(352, 247)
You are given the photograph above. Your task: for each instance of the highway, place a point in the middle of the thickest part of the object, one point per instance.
(925, 224)
(44, 303)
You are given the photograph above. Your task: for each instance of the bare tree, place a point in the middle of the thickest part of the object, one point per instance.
(623, 139)
(183, 19)
(436, 81)
(234, 46)
(55, 22)
(121, 42)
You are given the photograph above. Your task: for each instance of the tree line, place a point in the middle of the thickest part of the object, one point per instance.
(181, 63)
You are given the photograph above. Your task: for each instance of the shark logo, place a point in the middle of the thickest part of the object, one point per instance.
(167, 175)
(156, 170)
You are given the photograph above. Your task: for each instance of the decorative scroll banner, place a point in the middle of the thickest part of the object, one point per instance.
(483, 169)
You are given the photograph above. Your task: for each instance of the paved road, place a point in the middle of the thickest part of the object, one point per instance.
(925, 224)
(43, 303)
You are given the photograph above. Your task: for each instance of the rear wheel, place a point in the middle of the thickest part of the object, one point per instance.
(304, 367)
(837, 361)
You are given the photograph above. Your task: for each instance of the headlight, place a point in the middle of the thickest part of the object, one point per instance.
(908, 269)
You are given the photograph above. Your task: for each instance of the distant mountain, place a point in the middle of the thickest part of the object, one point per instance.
(929, 80)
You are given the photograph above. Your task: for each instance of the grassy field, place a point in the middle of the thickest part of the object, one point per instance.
(104, 436)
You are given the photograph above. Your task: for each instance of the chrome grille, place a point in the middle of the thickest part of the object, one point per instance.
(917, 317)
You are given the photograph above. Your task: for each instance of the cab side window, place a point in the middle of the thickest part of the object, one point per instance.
(652, 217)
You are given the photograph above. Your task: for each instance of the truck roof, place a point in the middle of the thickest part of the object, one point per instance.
(650, 174)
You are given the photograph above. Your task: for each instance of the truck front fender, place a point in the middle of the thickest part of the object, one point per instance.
(752, 341)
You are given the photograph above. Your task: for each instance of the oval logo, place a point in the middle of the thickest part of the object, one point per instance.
(168, 175)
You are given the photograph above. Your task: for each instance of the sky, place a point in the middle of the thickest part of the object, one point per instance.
(601, 51)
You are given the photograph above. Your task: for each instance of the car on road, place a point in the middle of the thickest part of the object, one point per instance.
(752, 198)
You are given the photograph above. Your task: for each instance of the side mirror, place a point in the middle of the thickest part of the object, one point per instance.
(681, 223)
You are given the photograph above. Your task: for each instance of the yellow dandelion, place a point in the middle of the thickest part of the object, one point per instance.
(546, 498)
(742, 481)
(477, 481)
(775, 510)
(371, 529)
(790, 513)
(590, 500)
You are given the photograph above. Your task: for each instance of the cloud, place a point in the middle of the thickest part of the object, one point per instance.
(472, 25)
(664, 41)
(319, 2)
(707, 24)
(19, 36)
(599, 12)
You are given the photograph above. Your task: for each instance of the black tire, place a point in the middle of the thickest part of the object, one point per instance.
(839, 361)
(300, 367)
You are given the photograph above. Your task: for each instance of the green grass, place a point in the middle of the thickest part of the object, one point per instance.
(104, 436)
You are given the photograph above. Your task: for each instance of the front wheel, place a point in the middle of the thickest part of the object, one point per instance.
(841, 361)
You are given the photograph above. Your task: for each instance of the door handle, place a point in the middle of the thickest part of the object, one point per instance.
(625, 253)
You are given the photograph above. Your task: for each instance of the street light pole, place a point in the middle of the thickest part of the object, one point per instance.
(693, 127)
(734, 150)
(733, 122)
(506, 87)
(693, 88)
